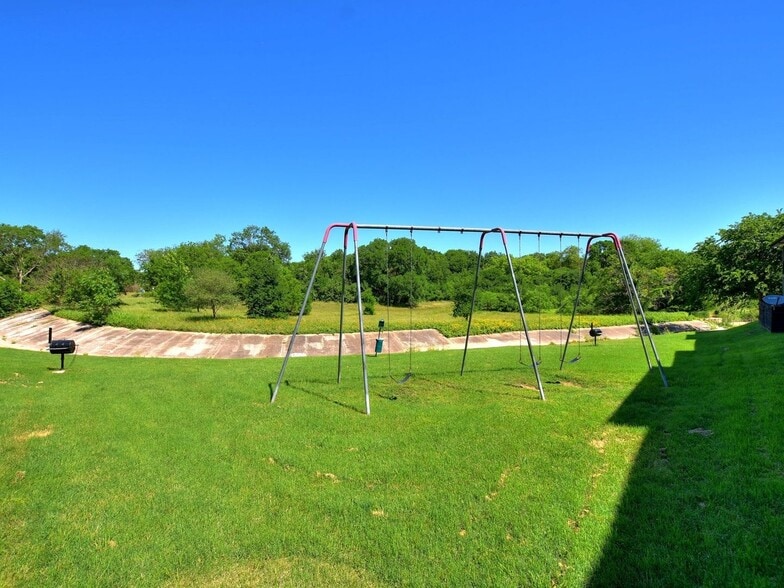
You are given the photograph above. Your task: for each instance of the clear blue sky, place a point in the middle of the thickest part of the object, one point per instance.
(135, 125)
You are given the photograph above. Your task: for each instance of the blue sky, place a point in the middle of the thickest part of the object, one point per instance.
(135, 125)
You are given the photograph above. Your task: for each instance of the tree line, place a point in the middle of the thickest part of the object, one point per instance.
(253, 267)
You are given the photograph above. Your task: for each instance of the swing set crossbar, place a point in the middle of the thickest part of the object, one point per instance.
(469, 230)
(353, 228)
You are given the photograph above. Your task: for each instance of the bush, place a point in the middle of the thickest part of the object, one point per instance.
(13, 299)
(270, 289)
(368, 302)
(740, 311)
(95, 292)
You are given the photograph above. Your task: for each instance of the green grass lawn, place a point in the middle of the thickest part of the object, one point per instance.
(143, 312)
(143, 472)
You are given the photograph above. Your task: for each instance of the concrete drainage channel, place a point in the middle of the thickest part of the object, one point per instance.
(29, 331)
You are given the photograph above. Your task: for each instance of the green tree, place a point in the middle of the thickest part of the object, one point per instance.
(95, 292)
(437, 275)
(328, 283)
(23, 250)
(535, 282)
(210, 288)
(461, 260)
(165, 274)
(252, 239)
(655, 270)
(373, 259)
(407, 264)
(213, 254)
(461, 299)
(63, 268)
(738, 264)
(269, 288)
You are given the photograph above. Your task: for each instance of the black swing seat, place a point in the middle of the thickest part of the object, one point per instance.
(405, 378)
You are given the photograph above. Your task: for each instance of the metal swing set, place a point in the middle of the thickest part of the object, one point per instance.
(353, 228)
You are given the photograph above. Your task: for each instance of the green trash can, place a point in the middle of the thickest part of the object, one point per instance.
(379, 340)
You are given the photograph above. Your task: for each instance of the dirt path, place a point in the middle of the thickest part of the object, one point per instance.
(30, 331)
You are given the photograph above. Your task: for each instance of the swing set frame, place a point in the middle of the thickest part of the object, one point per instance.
(353, 228)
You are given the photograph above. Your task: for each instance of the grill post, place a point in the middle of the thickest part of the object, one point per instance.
(61, 347)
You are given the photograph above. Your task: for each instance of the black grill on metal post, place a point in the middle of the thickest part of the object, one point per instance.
(61, 347)
(595, 332)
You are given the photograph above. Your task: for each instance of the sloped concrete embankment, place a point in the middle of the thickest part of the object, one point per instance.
(30, 330)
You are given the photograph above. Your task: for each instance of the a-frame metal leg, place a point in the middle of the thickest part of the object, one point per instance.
(347, 227)
(519, 305)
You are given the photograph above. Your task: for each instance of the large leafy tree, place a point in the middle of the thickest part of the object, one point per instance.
(656, 272)
(534, 279)
(327, 285)
(23, 250)
(406, 266)
(269, 288)
(739, 263)
(253, 238)
(165, 273)
(63, 269)
(212, 254)
(373, 260)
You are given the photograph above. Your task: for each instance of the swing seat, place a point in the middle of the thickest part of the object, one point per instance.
(405, 378)
(537, 362)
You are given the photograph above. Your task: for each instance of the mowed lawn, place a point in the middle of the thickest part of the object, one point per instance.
(141, 472)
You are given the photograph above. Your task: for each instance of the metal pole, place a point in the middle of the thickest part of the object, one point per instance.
(342, 303)
(631, 292)
(361, 321)
(522, 315)
(636, 299)
(301, 312)
(519, 303)
(473, 300)
(462, 230)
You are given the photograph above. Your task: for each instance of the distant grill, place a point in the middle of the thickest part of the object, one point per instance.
(62, 346)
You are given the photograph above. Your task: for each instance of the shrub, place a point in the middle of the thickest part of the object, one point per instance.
(368, 302)
(95, 292)
(13, 299)
(270, 289)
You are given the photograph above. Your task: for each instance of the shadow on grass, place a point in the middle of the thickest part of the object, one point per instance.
(207, 318)
(315, 394)
(704, 501)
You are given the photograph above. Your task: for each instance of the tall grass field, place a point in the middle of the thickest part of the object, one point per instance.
(176, 473)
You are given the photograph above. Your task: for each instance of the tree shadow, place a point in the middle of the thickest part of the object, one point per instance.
(206, 318)
(704, 500)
